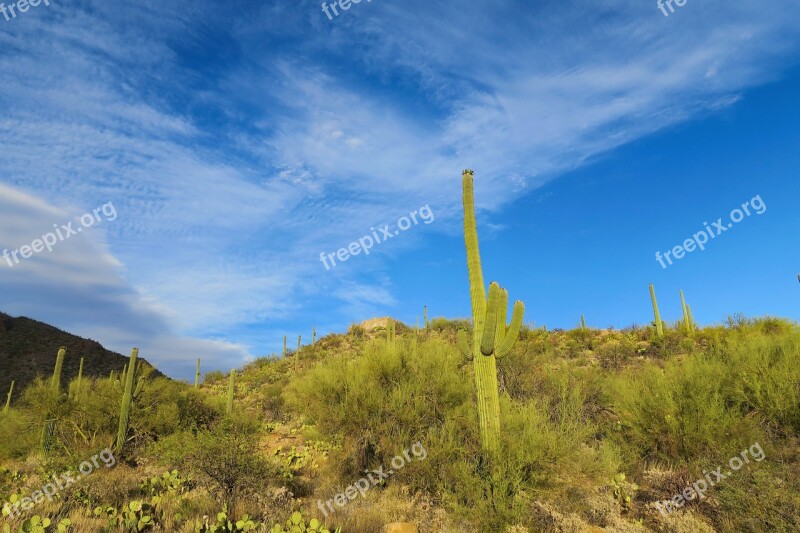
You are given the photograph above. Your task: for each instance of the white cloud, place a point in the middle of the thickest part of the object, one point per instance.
(239, 142)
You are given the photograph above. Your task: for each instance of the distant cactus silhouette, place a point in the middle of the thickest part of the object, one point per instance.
(491, 339)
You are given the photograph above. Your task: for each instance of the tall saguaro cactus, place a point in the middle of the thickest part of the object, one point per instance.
(197, 375)
(80, 372)
(688, 323)
(8, 398)
(491, 339)
(425, 316)
(55, 381)
(55, 384)
(128, 395)
(659, 325)
(284, 346)
(75, 388)
(390, 333)
(231, 391)
(297, 354)
(313, 335)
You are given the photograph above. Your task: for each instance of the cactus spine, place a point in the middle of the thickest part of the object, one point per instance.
(8, 398)
(491, 339)
(231, 390)
(197, 375)
(128, 395)
(659, 325)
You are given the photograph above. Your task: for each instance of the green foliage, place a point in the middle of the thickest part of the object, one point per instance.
(227, 461)
(356, 331)
(297, 524)
(40, 524)
(138, 516)
(168, 482)
(623, 491)
(382, 399)
(225, 524)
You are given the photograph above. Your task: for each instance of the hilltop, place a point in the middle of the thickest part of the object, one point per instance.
(600, 428)
(28, 349)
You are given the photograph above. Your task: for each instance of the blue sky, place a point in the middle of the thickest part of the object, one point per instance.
(238, 141)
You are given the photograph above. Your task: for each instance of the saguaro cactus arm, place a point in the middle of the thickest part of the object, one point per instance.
(490, 325)
(463, 344)
(512, 333)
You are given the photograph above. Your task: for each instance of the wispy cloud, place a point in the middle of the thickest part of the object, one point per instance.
(238, 143)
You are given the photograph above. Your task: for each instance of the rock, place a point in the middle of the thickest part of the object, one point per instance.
(401, 527)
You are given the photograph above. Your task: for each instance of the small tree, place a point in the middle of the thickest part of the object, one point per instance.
(228, 456)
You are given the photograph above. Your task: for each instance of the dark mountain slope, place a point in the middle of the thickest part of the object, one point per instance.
(28, 348)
